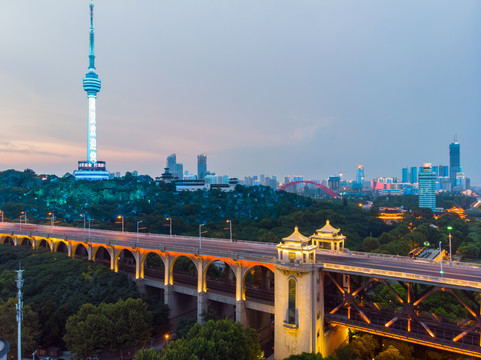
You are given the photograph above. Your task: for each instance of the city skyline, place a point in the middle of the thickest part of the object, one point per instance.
(310, 89)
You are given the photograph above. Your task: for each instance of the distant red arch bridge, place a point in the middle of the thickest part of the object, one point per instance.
(326, 189)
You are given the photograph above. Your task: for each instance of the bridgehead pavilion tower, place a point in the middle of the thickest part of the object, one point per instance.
(91, 169)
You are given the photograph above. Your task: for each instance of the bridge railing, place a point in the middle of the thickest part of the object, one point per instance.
(401, 258)
(403, 275)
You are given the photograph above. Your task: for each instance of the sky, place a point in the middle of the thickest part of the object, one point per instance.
(274, 87)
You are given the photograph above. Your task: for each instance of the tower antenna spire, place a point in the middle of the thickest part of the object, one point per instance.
(92, 51)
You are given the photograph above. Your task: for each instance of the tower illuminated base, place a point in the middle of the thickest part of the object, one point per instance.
(89, 171)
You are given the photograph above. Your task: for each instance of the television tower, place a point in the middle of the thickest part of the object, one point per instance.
(92, 169)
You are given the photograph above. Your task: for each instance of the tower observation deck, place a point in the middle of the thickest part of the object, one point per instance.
(91, 169)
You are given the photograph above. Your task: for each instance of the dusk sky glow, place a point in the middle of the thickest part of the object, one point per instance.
(275, 87)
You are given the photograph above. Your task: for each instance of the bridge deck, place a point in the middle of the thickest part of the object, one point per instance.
(458, 275)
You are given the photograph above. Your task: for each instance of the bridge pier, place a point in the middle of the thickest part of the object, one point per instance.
(201, 306)
(240, 312)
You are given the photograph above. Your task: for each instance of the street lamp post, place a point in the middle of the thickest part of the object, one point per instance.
(200, 235)
(1, 212)
(138, 222)
(19, 307)
(52, 220)
(441, 259)
(450, 258)
(169, 219)
(83, 216)
(230, 228)
(122, 218)
(22, 215)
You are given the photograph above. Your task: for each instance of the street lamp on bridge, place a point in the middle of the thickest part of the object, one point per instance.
(52, 220)
(22, 215)
(169, 219)
(120, 217)
(138, 222)
(1, 213)
(200, 235)
(441, 259)
(450, 258)
(230, 228)
(83, 216)
(89, 225)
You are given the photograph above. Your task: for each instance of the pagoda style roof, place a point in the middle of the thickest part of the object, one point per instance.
(296, 237)
(328, 229)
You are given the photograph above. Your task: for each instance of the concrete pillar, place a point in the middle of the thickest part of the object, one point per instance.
(240, 312)
(201, 306)
(168, 279)
(138, 264)
(89, 251)
(169, 299)
(201, 288)
(114, 264)
(299, 335)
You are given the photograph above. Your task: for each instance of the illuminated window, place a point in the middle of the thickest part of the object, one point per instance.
(291, 312)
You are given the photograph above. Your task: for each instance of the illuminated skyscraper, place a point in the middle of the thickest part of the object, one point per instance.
(92, 169)
(454, 161)
(414, 175)
(360, 175)
(427, 187)
(201, 166)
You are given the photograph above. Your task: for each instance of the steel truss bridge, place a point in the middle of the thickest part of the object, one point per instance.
(349, 281)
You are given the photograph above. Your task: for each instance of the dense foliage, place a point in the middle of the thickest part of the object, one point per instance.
(216, 340)
(56, 287)
(108, 326)
(257, 213)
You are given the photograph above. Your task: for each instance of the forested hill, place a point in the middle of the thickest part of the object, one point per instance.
(257, 213)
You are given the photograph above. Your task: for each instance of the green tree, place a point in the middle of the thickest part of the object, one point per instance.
(8, 326)
(405, 349)
(391, 353)
(369, 244)
(147, 354)
(112, 326)
(185, 325)
(364, 347)
(216, 340)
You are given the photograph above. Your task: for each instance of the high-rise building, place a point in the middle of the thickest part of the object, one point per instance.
(91, 169)
(175, 168)
(171, 162)
(414, 175)
(179, 171)
(360, 175)
(443, 171)
(201, 166)
(427, 187)
(454, 161)
(405, 175)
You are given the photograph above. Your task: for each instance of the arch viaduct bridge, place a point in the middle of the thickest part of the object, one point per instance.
(304, 299)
